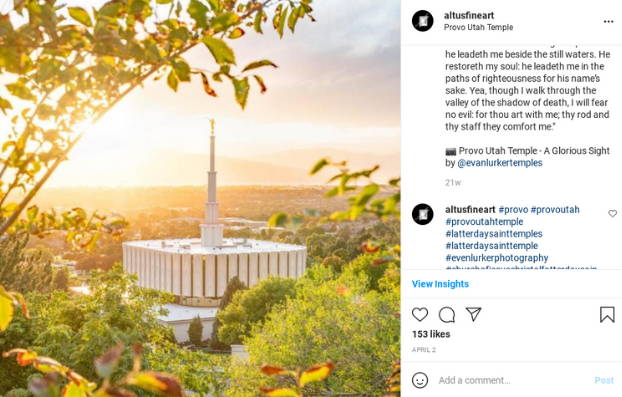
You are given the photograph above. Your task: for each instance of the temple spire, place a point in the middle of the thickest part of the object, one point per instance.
(212, 156)
(211, 229)
(211, 179)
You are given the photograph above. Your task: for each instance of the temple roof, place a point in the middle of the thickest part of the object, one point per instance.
(186, 313)
(229, 246)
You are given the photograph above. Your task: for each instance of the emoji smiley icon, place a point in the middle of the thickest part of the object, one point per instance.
(420, 380)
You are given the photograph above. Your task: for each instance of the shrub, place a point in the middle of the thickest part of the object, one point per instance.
(338, 320)
(195, 331)
(250, 307)
(233, 286)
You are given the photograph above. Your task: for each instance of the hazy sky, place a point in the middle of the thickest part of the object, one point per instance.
(337, 86)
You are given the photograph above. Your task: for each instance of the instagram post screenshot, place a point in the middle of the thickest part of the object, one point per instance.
(310, 198)
(199, 198)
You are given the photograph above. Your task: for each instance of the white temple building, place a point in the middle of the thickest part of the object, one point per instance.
(197, 270)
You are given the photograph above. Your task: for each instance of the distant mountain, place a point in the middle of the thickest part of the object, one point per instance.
(177, 168)
(174, 168)
(389, 163)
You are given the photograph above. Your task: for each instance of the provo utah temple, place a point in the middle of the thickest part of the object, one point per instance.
(197, 270)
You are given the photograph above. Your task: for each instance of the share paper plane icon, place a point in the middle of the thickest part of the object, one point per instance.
(474, 312)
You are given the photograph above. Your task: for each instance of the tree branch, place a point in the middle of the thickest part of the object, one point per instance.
(35, 189)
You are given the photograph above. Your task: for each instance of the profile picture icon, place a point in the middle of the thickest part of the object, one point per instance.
(422, 214)
(423, 20)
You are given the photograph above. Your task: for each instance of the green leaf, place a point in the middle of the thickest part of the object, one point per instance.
(224, 21)
(222, 53)
(216, 5)
(277, 220)
(258, 64)
(140, 8)
(182, 69)
(241, 88)
(332, 192)
(262, 85)
(318, 166)
(179, 37)
(172, 80)
(198, 12)
(80, 15)
(110, 9)
(291, 21)
(32, 212)
(282, 21)
(366, 194)
(258, 20)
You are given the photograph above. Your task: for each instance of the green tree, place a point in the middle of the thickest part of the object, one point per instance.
(19, 333)
(195, 331)
(233, 286)
(250, 307)
(61, 279)
(338, 320)
(66, 67)
(317, 244)
(373, 266)
(334, 262)
(75, 329)
(23, 271)
(40, 253)
(200, 372)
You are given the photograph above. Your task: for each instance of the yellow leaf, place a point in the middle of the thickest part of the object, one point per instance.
(81, 381)
(6, 309)
(74, 390)
(46, 365)
(155, 382)
(316, 373)
(279, 392)
(24, 357)
(236, 33)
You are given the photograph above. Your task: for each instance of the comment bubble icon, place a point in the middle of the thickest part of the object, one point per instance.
(447, 315)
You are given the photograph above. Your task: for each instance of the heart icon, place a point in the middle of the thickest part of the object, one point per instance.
(613, 213)
(420, 313)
